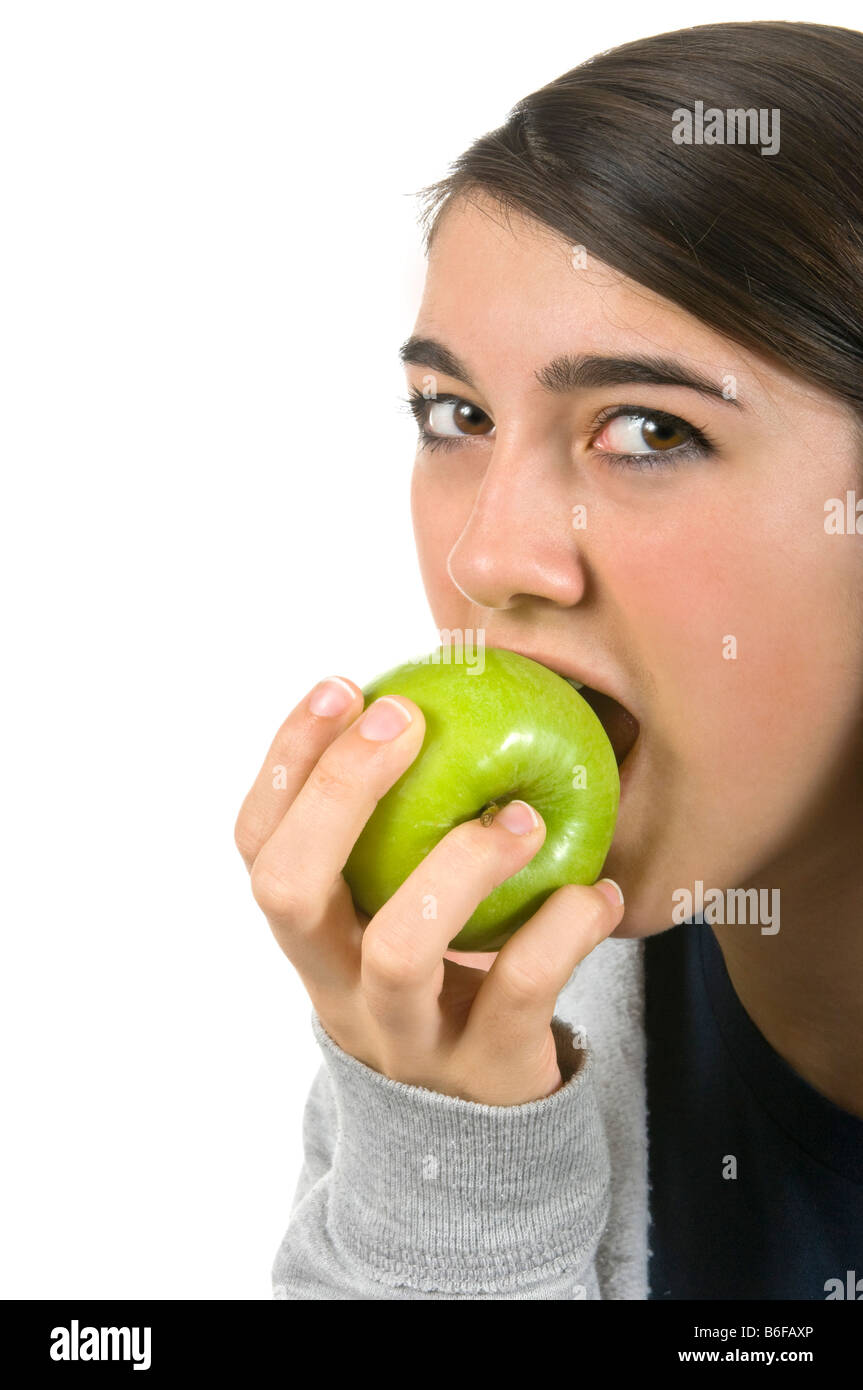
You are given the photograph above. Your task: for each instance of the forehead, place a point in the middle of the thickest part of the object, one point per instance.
(506, 294)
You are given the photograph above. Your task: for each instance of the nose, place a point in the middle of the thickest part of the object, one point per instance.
(520, 542)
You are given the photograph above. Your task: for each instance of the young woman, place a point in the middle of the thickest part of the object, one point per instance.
(644, 308)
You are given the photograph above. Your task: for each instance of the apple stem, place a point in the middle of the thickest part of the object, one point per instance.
(488, 813)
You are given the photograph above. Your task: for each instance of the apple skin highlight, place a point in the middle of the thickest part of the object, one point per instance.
(514, 729)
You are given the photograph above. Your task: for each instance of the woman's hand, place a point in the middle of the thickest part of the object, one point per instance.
(383, 987)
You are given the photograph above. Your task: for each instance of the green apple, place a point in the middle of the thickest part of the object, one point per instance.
(509, 728)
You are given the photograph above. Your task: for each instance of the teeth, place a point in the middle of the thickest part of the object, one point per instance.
(576, 685)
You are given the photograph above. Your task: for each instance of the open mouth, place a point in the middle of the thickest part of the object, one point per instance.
(621, 727)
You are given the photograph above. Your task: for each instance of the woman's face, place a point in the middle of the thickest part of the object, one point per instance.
(680, 566)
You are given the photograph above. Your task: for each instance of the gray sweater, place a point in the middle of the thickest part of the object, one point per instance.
(405, 1193)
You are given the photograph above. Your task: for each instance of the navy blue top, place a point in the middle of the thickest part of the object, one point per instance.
(792, 1218)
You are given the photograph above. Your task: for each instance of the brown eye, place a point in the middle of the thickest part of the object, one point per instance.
(658, 435)
(632, 433)
(469, 419)
(456, 417)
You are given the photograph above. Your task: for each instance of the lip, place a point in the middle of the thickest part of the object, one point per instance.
(619, 720)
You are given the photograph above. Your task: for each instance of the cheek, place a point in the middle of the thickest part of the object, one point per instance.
(440, 508)
(750, 627)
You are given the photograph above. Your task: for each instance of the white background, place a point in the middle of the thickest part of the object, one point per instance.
(208, 259)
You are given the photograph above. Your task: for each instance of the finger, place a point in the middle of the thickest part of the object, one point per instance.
(517, 999)
(298, 871)
(402, 957)
(313, 724)
(476, 960)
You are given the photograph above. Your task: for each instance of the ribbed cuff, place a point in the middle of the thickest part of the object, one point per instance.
(445, 1194)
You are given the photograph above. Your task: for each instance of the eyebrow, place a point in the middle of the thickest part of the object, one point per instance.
(571, 373)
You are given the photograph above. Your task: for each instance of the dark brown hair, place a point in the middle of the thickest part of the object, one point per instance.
(766, 249)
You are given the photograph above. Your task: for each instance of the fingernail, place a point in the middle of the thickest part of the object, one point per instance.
(611, 890)
(331, 697)
(517, 817)
(385, 719)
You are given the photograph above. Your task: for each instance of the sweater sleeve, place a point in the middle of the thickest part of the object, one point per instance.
(406, 1193)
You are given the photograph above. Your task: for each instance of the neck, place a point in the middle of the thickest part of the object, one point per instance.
(802, 987)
